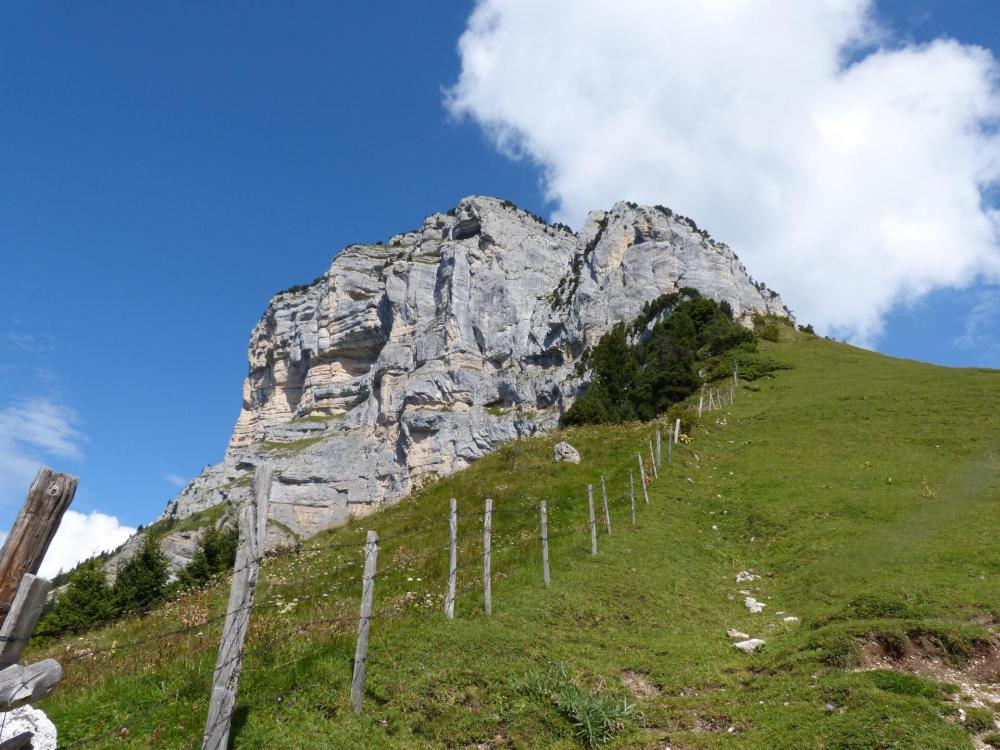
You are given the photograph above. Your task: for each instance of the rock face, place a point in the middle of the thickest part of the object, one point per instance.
(28, 719)
(411, 359)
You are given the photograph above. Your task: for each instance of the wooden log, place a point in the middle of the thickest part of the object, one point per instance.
(21, 741)
(229, 664)
(24, 613)
(677, 430)
(642, 479)
(364, 620)
(652, 461)
(631, 493)
(449, 597)
(604, 500)
(593, 521)
(543, 510)
(27, 684)
(24, 549)
(487, 554)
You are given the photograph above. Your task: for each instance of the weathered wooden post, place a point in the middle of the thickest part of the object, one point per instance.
(604, 499)
(677, 430)
(593, 521)
(22, 618)
(24, 549)
(701, 402)
(449, 599)
(631, 493)
(543, 510)
(670, 451)
(226, 678)
(652, 461)
(26, 684)
(642, 479)
(659, 449)
(711, 400)
(487, 552)
(364, 619)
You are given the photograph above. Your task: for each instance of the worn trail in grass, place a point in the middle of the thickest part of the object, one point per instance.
(863, 490)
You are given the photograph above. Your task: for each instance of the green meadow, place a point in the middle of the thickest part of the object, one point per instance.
(862, 491)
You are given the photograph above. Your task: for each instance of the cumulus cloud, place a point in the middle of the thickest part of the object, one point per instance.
(848, 169)
(80, 537)
(32, 431)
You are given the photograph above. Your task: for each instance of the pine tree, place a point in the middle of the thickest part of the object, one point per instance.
(87, 601)
(142, 580)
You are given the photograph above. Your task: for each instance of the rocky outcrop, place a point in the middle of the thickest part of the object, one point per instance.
(411, 359)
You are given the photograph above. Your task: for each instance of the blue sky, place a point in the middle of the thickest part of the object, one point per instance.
(166, 167)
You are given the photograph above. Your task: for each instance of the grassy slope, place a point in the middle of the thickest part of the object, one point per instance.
(820, 481)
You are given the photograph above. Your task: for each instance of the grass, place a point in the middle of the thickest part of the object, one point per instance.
(292, 446)
(794, 485)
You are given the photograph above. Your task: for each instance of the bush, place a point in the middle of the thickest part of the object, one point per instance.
(769, 332)
(87, 601)
(142, 579)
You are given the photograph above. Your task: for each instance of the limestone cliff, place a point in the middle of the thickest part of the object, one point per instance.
(411, 359)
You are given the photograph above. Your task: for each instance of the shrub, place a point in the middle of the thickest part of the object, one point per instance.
(769, 332)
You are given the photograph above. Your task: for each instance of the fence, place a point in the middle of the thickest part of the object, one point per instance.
(534, 533)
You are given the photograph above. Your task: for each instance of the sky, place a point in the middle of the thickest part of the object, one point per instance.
(167, 167)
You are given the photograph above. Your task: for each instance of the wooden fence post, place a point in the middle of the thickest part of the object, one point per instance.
(652, 461)
(604, 499)
(642, 479)
(27, 684)
(364, 619)
(545, 541)
(449, 599)
(593, 521)
(701, 402)
(487, 552)
(711, 402)
(670, 451)
(22, 618)
(659, 449)
(677, 430)
(226, 678)
(631, 493)
(47, 500)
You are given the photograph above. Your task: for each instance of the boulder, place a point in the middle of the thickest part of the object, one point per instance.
(565, 452)
(28, 719)
(750, 645)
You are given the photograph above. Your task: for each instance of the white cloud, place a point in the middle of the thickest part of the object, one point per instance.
(80, 537)
(847, 170)
(175, 479)
(32, 431)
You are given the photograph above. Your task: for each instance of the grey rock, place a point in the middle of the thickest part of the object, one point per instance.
(563, 451)
(409, 361)
(750, 645)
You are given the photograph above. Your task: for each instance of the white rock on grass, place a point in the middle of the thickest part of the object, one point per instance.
(745, 575)
(565, 452)
(750, 645)
(732, 633)
(791, 619)
(753, 605)
(28, 719)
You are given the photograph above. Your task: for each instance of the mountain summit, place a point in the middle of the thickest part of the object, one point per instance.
(411, 359)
